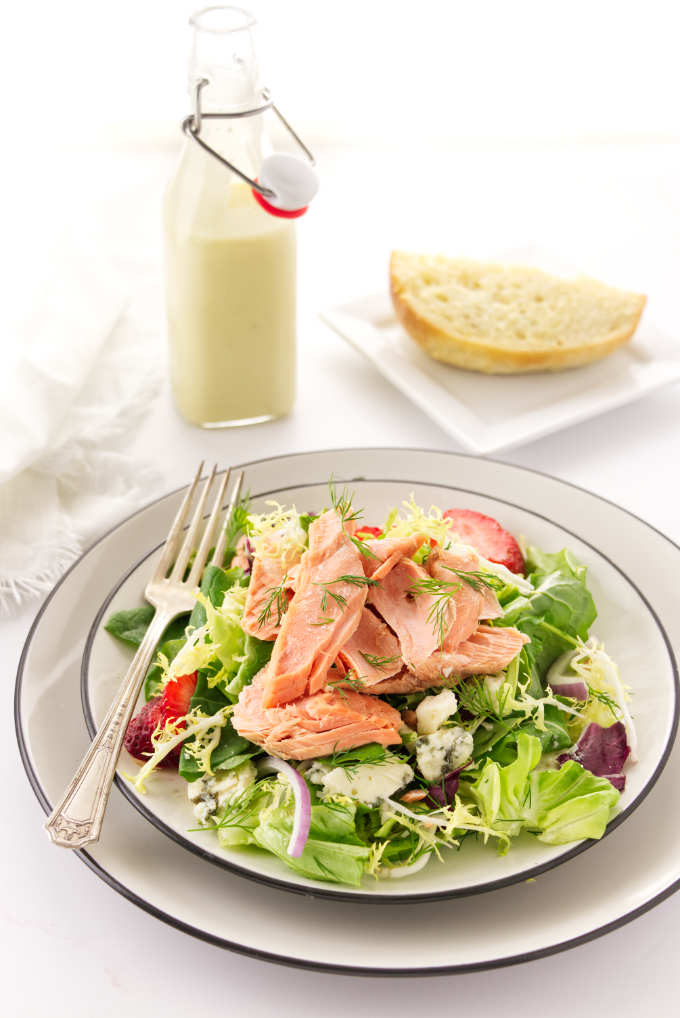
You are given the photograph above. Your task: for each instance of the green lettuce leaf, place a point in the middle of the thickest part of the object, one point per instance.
(218, 650)
(559, 611)
(570, 804)
(502, 793)
(214, 585)
(256, 654)
(560, 806)
(333, 851)
(264, 817)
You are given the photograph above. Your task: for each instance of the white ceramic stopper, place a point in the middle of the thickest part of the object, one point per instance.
(294, 181)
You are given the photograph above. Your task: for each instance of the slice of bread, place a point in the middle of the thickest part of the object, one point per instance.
(506, 318)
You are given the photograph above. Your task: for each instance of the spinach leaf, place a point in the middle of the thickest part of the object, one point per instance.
(553, 615)
(553, 737)
(130, 625)
(372, 752)
(487, 736)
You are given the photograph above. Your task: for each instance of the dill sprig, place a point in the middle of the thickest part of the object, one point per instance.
(239, 808)
(348, 681)
(476, 579)
(339, 599)
(356, 581)
(379, 662)
(363, 548)
(325, 621)
(475, 697)
(276, 598)
(442, 592)
(605, 699)
(342, 503)
(350, 759)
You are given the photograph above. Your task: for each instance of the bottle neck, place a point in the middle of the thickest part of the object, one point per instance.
(223, 55)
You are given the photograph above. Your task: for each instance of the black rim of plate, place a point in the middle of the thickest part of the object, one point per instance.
(147, 906)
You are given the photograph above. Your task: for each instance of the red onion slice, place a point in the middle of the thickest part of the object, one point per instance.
(574, 689)
(302, 817)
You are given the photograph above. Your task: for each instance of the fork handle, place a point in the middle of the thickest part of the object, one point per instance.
(76, 820)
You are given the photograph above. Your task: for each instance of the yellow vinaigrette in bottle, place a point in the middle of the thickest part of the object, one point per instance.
(230, 265)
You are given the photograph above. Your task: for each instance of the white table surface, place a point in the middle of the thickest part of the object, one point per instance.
(71, 945)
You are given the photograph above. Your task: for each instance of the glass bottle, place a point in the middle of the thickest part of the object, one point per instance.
(230, 265)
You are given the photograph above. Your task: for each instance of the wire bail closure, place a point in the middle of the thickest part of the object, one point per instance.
(192, 127)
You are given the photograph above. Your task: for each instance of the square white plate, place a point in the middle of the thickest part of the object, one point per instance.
(486, 413)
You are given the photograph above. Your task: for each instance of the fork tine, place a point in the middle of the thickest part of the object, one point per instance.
(172, 540)
(209, 533)
(189, 543)
(220, 547)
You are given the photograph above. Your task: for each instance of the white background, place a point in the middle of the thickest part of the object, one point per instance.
(470, 128)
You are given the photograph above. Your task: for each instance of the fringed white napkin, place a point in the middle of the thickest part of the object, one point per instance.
(76, 381)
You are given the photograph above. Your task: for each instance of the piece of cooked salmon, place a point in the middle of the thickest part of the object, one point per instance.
(406, 613)
(322, 615)
(267, 576)
(315, 725)
(467, 602)
(372, 651)
(385, 553)
(241, 554)
(488, 650)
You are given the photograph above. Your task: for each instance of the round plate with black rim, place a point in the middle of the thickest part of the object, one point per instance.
(626, 874)
(643, 652)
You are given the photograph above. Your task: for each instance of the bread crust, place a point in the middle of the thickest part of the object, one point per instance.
(474, 355)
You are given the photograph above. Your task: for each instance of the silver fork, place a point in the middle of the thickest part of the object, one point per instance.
(76, 820)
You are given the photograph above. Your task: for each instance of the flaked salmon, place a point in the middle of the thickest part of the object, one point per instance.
(406, 613)
(372, 651)
(265, 608)
(322, 616)
(488, 650)
(386, 553)
(466, 603)
(315, 725)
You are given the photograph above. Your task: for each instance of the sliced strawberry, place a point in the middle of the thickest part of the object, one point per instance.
(366, 532)
(177, 695)
(172, 703)
(138, 735)
(487, 536)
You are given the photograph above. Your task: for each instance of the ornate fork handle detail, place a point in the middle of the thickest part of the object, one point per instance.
(77, 818)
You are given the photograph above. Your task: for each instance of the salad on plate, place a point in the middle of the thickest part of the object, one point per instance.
(360, 699)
